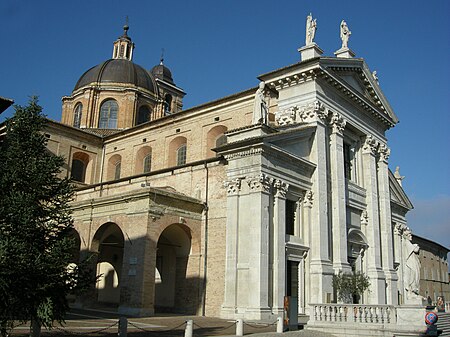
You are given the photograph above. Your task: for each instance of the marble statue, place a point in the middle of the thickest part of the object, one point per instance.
(375, 76)
(345, 34)
(311, 26)
(398, 176)
(260, 108)
(411, 275)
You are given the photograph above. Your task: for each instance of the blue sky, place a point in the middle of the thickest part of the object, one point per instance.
(216, 48)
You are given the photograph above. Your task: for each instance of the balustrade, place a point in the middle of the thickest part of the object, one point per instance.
(353, 313)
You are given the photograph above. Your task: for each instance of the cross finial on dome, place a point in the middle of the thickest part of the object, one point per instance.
(161, 60)
(126, 27)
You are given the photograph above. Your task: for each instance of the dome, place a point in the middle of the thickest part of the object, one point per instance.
(118, 71)
(162, 72)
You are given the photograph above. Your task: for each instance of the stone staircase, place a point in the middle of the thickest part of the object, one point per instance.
(444, 323)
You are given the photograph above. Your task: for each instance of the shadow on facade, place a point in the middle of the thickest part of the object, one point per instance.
(141, 276)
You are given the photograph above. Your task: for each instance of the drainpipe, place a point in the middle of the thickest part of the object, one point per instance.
(205, 260)
(102, 164)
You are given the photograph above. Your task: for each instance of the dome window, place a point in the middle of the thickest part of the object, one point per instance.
(77, 115)
(108, 115)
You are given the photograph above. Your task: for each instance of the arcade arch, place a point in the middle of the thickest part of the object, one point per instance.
(108, 242)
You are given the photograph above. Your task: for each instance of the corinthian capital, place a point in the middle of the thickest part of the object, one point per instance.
(370, 145)
(308, 199)
(260, 183)
(313, 111)
(337, 123)
(384, 152)
(233, 186)
(281, 188)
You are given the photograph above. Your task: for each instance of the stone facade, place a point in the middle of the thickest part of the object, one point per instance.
(202, 212)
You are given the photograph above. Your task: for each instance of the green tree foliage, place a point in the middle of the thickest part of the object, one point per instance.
(35, 227)
(350, 287)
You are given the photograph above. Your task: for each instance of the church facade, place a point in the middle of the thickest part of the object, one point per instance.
(226, 208)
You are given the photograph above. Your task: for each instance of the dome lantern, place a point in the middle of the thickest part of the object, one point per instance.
(123, 46)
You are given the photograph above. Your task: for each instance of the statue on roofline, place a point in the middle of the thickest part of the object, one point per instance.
(311, 26)
(260, 108)
(345, 34)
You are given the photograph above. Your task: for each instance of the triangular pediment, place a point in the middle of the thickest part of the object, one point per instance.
(355, 75)
(397, 193)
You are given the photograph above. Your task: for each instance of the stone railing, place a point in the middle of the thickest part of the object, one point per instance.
(353, 313)
(447, 307)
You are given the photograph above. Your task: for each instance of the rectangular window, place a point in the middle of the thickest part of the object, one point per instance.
(291, 208)
(347, 161)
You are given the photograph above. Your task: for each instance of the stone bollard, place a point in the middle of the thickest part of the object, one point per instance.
(188, 329)
(239, 327)
(279, 324)
(123, 324)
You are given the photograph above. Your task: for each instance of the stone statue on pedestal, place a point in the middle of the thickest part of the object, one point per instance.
(345, 34)
(411, 276)
(311, 26)
(260, 108)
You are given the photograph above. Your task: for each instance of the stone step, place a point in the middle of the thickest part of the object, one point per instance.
(444, 323)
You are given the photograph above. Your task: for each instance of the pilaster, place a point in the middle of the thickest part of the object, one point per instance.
(279, 252)
(374, 270)
(386, 225)
(339, 214)
(320, 265)
(230, 301)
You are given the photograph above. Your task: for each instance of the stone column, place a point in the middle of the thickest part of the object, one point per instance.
(230, 301)
(374, 270)
(320, 266)
(339, 212)
(387, 244)
(279, 251)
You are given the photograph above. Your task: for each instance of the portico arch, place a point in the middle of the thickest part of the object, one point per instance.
(108, 243)
(173, 251)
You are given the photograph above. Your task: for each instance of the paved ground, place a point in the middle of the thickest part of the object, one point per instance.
(103, 323)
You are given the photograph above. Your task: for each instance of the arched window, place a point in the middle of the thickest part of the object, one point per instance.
(181, 155)
(108, 115)
(77, 115)
(114, 167)
(79, 166)
(143, 115)
(221, 140)
(117, 170)
(78, 170)
(167, 104)
(215, 138)
(147, 164)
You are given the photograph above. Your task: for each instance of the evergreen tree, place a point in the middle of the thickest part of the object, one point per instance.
(35, 226)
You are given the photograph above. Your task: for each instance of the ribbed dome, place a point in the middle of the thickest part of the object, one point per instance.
(162, 72)
(118, 71)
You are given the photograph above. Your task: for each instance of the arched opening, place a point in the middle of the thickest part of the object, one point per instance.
(178, 151)
(114, 167)
(356, 246)
(173, 250)
(80, 161)
(214, 138)
(77, 115)
(167, 104)
(108, 114)
(143, 115)
(109, 243)
(143, 160)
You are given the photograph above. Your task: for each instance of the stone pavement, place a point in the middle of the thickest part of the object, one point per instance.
(104, 323)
